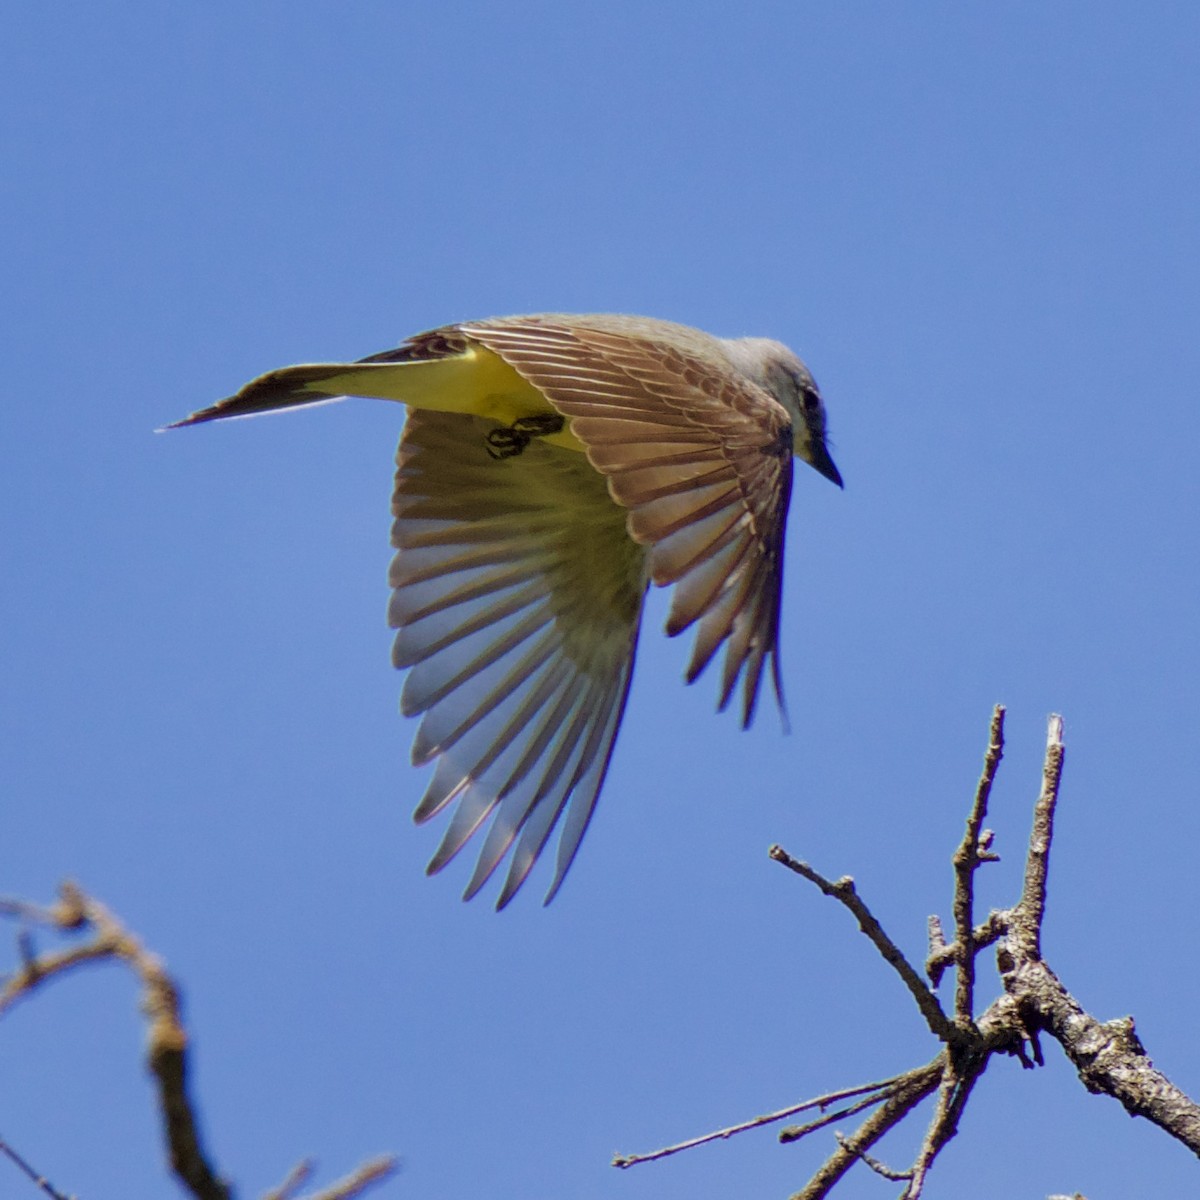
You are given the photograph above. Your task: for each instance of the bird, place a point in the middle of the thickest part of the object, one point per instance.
(550, 469)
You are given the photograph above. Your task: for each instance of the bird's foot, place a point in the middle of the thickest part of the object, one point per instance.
(509, 440)
(505, 442)
(543, 425)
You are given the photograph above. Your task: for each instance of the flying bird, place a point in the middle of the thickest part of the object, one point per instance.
(550, 469)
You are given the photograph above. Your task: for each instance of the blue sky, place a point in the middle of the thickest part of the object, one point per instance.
(978, 224)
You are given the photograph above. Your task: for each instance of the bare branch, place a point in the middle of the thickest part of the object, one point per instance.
(942, 956)
(167, 1039)
(795, 1133)
(1026, 919)
(166, 1050)
(630, 1160)
(295, 1179)
(1109, 1056)
(880, 1169)
(35, 1177)
(916, 1086)
(359, 1181)
(958, 1079)
(844, 891)
(966, 861)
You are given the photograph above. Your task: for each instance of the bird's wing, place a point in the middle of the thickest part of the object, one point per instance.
(517, 595)
(699, 455)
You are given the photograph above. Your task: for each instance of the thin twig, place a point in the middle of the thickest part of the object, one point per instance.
(958, 1080)
(880, 1169)
(943, 955)
(844, 891)
(35, 1177)
(916, 1086)
(794, 1133)
(630, 1160)
(358, 1181)
(48, 966)
(966, 862)
(36, 914)
(295, 1179)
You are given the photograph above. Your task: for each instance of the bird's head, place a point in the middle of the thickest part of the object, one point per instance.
(789, 381)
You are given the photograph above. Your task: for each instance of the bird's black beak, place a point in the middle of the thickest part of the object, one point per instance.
(823, 463)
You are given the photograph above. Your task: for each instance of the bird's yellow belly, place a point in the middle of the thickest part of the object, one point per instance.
(477, 382)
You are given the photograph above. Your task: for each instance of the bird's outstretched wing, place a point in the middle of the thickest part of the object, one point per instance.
(700, 456)
(517, 595)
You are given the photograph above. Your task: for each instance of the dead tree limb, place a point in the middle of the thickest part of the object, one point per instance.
(76, 913)
(1108, 1055)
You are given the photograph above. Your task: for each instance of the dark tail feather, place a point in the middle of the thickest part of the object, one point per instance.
(285, 388)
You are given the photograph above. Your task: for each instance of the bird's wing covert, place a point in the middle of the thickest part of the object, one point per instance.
(701, 457)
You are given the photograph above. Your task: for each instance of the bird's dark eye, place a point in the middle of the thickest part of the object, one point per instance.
(810, 402)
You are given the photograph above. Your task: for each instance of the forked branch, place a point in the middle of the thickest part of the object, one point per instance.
(1108, 1056)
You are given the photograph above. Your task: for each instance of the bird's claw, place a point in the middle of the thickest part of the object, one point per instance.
(507, 441)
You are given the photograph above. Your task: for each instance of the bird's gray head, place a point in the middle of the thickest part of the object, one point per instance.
(775, 368)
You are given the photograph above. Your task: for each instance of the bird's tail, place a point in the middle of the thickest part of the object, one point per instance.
(309, 383)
